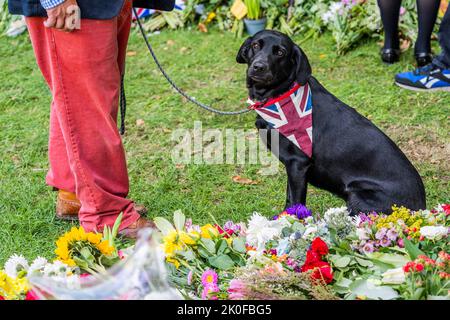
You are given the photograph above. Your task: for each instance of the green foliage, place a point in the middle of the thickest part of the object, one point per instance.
(253, 9)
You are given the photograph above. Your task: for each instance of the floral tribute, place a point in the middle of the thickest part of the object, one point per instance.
(297, 254)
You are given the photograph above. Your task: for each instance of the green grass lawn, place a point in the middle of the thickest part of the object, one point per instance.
(204, 65)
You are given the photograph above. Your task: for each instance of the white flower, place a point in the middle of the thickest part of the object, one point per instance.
(338, 218)
(260, 230)
(362, 234)
(393, 276)
(16, 264)
(309, 231)
(434, 232)
(57, 268)
(38, 265)
(327, 16)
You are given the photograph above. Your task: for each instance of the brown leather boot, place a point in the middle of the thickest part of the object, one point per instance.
(133, 230)
(68, 206)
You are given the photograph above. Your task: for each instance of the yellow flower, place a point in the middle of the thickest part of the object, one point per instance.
(187, 238)
(105, 248)
(94, 238)
(65, 244)
(210, 17)
(208, 230)
(174, 261)
(12, 288)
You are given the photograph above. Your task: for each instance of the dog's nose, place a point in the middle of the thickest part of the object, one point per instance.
(259, 67)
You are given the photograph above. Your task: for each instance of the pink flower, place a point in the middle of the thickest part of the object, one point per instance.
(121, 255)
(236, 290)
(31, 295)
(189, 278)
(400, 243)
(207, 290)
(402, 11)
(209, 278)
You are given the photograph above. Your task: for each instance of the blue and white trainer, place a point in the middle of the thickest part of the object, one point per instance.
(427, 78)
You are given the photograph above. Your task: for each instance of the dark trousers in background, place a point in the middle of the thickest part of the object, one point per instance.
(443, 60)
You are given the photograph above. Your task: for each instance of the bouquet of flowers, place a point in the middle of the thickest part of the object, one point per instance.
(201, 258)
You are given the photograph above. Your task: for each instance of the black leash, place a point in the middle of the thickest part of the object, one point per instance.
(171, 82)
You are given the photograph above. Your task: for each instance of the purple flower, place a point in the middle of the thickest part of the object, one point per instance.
(299, 210)
(392, 234)
(385, 242)
(381, 233)
(189, 278)
(400, 243)
(230, 225)
(368, 247)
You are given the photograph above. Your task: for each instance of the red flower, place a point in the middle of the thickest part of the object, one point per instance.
(321, 270)
(413, 267)
(1, 298)
(419, 267)
(228, 232)
(311, 257)
(446, 208)
(319, 246)
(31, 295)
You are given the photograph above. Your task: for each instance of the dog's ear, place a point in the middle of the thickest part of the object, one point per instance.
(242, 56)
(303, 68)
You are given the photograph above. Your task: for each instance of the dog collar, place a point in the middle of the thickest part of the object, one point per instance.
(291, 115)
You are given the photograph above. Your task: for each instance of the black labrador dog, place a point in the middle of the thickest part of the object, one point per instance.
(351, 157)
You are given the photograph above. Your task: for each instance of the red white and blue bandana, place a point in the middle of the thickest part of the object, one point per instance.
(291, 115)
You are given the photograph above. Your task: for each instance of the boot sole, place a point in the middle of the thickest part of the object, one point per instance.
(445, 89)
(66, 217)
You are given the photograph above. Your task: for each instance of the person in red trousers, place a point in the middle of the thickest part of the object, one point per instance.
(83, 64)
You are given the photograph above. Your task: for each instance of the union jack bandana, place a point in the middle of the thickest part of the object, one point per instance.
(291, 115)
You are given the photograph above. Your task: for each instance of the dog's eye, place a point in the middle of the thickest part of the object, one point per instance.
(279, 52)
(256, 46)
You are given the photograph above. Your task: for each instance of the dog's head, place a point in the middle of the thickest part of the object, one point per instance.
(273, 60)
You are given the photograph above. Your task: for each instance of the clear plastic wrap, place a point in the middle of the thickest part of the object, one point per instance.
(141, 276)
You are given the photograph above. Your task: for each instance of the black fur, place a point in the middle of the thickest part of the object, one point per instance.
(351, 157)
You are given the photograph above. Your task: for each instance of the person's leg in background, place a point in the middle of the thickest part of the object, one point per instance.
(436, 75)
(427, 11)
(390, 13)
(443, 60)
(83, 73)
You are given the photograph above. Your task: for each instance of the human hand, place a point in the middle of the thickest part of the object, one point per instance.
(65, 17)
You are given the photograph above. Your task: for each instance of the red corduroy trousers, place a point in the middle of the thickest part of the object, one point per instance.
(83, 71)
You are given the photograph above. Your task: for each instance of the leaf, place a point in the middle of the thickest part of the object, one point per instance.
(179, 220)
(246, 181)
(163, 225)
(239, 245)
(209, 245)
(366, 288)
(342, 262)
(188, 255)
(364, 262)
(221, 245)
(393, 259)
(222, 262)
(413, 250)
(116, 226)
(81, 263)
